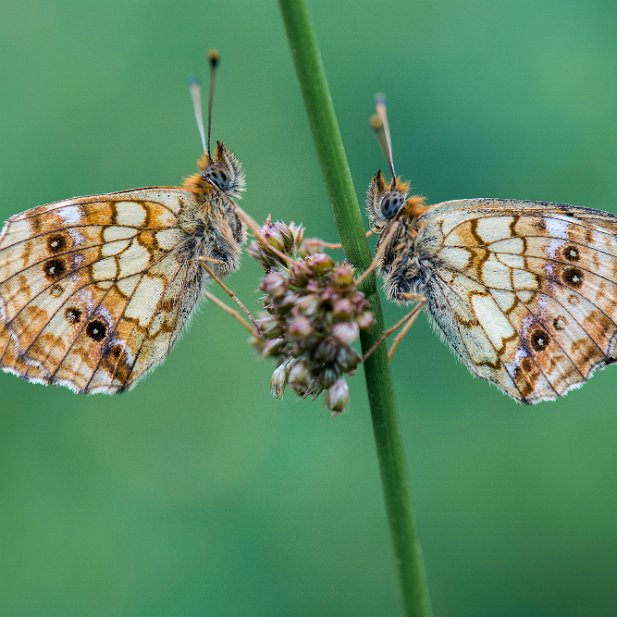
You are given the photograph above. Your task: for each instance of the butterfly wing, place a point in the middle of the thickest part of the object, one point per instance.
(525, 292)
(95, 290)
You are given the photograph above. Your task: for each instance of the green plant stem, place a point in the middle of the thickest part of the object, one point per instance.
(335, 168)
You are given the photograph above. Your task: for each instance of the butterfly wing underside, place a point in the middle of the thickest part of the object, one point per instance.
(95, 290)
(524, 292)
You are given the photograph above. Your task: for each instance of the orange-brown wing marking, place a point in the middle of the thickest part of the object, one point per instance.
(531, 289)
(77, 275)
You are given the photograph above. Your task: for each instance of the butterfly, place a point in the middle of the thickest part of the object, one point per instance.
(94, 291)
(524, 293)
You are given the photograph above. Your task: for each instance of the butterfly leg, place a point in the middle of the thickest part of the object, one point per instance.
(406, 321)
(212, 260)
(254, 227)
(229, 292)
(235, 314)
(330, 245)
(377, 260)
(411, 318)
(374, 264)
(409, 297)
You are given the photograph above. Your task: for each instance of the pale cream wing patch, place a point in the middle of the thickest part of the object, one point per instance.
(94, 290)
(150, 325)
(526, 293)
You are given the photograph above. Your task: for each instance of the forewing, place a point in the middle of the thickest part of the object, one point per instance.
(525, 292)
(94, 290)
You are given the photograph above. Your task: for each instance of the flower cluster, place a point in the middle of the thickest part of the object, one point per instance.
(314, 313)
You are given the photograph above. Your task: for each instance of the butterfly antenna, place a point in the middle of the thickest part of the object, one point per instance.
(382, 130)
(213, 58)
(377, 126)
(196, 96)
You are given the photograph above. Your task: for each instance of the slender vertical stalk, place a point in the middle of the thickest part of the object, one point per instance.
(335, 168)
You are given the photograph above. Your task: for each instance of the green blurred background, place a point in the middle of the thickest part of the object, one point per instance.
(197, 493)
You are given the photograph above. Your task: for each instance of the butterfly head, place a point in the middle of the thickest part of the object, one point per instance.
(385, 200)
(223, 171)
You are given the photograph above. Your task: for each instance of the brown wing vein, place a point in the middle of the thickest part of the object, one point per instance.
(438, 279)
(83, 327)
(65, 228)
(541, 321)
(550, 281)
(81, 201)
(566, 218)
(140, 348)
(523, 398)
(565, 240)
(544, 293)
(117, 322)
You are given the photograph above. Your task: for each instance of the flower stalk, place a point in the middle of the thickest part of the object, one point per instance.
(335, 169)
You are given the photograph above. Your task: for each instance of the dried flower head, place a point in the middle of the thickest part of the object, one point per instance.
(313, 315)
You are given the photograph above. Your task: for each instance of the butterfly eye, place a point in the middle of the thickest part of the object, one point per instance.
(391, 203)
(216, 175)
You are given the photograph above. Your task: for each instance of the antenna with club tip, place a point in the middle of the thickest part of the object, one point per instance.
(380, 125)
(377, 126)
(213, 59)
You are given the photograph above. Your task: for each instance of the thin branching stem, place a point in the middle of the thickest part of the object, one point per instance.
(326, 134)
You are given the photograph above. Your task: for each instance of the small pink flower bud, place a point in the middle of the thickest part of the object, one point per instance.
(337, 396)
(347, 359)
(300, 272)
(326, 351)
(287, 302)
(279, 380)
(365, 320)
(268, 326)
(299, 375)
(342, 309)
(272, 233)
(343, 276)
(297, 232)
(274, 284)
(300, 327)
(328, 377)
(309, 305)
(272, 347)
(320, 263)
(345, 333)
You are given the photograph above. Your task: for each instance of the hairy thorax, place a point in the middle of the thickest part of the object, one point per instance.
(214, 230)
(408, 249)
